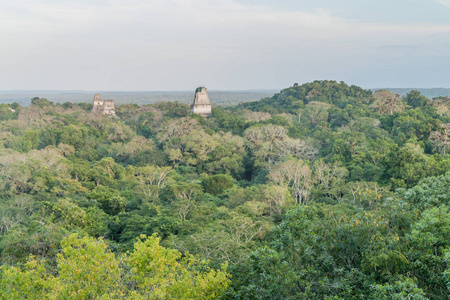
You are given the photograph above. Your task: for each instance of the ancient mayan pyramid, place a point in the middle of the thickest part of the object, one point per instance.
(201, 105)
(101, 106)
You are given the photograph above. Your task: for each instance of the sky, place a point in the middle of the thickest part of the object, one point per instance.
(174, 45)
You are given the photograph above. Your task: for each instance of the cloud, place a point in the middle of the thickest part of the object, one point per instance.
(443, 2)
(193, 22)
(139, 44)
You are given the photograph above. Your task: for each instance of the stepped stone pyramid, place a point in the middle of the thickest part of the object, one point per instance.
(101, 106)
(201, 105)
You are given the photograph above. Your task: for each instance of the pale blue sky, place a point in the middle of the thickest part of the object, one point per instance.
(222, 44)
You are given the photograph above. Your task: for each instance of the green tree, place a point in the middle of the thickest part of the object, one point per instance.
(88, 270)
(163, 273)
(428, 241)
(415, 99)
(41, 102)
(403, 289)
(217, 184)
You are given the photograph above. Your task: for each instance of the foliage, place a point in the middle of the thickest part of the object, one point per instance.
(216, 184)
(323, 191)
(88, 270)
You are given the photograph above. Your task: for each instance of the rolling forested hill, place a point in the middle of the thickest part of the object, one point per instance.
(321, 191)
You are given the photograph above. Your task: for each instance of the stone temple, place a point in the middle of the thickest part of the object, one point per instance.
(201, 105)
(101, 106)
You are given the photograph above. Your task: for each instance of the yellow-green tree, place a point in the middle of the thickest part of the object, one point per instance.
(29, 282)
(161, 273)
(88, 270)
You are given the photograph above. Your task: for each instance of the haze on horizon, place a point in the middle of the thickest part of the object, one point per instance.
(169, 45)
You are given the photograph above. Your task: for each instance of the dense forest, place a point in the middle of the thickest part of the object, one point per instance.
(323, 191)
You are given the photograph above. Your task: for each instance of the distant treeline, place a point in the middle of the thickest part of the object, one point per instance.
(430, 93)
(222, 98)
